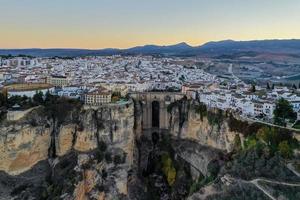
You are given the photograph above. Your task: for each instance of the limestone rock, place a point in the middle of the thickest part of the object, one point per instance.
(200, 130)
(64, 141)
(22, 149)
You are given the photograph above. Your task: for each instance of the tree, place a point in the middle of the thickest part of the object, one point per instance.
(283, 111)
(268, 86)
(285, 150)
(253, 88)
(294, 86)
(38, 98)
(273, 86)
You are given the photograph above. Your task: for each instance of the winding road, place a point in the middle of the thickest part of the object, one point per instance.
(255, 182)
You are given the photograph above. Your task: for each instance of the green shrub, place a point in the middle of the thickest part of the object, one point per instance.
(201, 109)
(168, 168)
(202, 181)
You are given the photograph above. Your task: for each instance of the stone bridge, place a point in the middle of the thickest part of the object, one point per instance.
(154, 105)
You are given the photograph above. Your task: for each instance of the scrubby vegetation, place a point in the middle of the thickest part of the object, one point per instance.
(168, 168)
(202, 181)
(215, 118)
(264, 155)
(166, 176)
(58, 108)
(201, 109)
(243, 127)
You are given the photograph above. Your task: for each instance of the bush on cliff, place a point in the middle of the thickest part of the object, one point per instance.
(215, 118)
(243, 127)
(201, 182)
(201, 109)
(168, 168)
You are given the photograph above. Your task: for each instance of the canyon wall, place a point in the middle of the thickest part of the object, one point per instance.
(187, 123)
(25, 142)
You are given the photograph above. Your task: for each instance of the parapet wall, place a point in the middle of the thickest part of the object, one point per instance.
(14, 115)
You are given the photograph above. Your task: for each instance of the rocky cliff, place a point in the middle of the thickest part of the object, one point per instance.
(24, 143)
(70, 152)
(208, 128)
(103, 136)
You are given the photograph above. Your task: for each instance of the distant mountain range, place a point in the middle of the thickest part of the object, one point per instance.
(182, 49)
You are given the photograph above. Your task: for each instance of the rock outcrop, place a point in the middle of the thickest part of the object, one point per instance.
(103, 139)
(197, 156)
(23, 147)
(24, 143)
(186, 123)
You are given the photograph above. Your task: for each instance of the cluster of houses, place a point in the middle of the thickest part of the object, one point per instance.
(240, 99)
(94, 80)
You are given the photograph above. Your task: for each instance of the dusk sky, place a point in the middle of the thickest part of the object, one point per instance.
(99, 24)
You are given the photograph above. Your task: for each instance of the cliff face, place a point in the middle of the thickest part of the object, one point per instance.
(186, 123)
(113, 125)
(23, 147)
(23, 144)
(90, 152)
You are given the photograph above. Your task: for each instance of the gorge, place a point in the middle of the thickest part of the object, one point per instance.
(154, 146)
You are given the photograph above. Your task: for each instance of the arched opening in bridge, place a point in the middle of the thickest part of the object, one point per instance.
(155, 114)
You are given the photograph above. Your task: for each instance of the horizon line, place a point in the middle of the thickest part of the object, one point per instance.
(142, 45)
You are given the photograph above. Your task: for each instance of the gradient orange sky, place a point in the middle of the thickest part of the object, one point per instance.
(97, 24)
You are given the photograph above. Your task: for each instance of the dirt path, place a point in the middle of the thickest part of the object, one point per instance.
(292, 168)
(255, 182)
